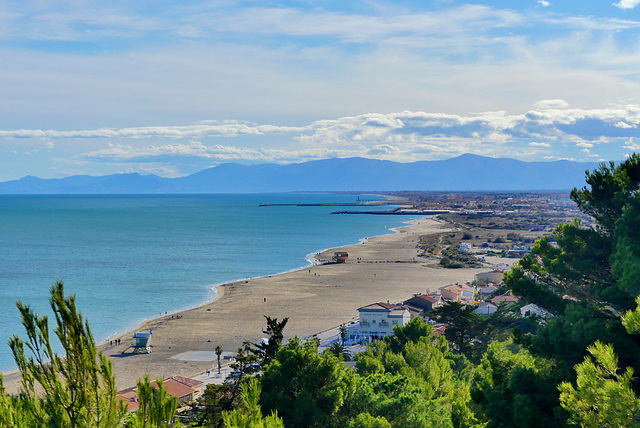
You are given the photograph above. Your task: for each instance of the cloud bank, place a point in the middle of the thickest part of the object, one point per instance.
(550, 130)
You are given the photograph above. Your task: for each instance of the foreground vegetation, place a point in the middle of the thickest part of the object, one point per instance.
(573, 369)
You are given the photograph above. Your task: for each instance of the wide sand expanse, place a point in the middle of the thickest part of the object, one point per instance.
(382, 268)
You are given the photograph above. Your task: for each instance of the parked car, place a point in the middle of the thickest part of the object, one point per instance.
(233, 376)
(253, 368)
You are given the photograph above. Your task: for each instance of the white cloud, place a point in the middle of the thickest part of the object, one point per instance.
(551, 129)
(375, 133)
(203, 129)
(623, 125)
(551, 104)
(544, 3)
(627, 4)
(630, 145)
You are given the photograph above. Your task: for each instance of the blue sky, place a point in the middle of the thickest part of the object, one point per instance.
(173, 87)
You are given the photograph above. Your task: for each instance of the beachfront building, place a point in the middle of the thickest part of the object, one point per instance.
(378, 320)
(340, 256)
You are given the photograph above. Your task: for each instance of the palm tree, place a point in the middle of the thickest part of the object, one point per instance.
(343, 333)
(218, 353)
(339, 351)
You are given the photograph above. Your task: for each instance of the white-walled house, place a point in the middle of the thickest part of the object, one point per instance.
(486, 308)
(533, 309)
(458, 292)
(378, 320)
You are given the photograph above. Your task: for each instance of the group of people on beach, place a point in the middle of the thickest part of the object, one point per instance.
(117, 341)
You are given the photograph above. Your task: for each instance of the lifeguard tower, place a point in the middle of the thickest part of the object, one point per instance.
(142, 342)
(340, 256)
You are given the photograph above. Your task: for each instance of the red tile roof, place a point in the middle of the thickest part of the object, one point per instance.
(191, 383)
(175, 388)
(379, 306)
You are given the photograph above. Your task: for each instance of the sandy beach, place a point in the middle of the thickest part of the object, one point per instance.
(315, 299)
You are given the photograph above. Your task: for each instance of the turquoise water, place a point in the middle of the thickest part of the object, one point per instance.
(131, 258)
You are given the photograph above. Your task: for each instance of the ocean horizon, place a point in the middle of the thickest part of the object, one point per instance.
(130, 258)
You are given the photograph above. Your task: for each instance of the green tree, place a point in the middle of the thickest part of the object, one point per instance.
(603, 396)
(365, 420)
(343, 333)
(76, 389)
(307, 389)
(218, 354)
(625, 260)
(465, 329)
(594, 265)
(249, 415)
(157, 408)
(586, 278)
(215, 400)
(516, 389)
(266, 351)
(609, 188)
(410, 374)
(631, 320)
(12, 411)
(339, 351)
(244, 359)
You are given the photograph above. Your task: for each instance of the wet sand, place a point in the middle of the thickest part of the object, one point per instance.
(315, 299)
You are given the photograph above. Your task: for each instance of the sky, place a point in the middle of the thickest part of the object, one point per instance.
(174, 87)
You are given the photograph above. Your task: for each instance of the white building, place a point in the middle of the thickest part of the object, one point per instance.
(458, 293)
(533, 309)
(465, 247)
(485, 308)
(378, 320)
(494, 276)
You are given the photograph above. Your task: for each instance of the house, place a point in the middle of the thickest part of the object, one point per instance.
(489, 289)
(465, 247)
(533, 309)
(196, 385)
(185, 389)
(457, 293)
(485, 308)
(494, 276)
(424, 302)
(504, 299)
(378, 320)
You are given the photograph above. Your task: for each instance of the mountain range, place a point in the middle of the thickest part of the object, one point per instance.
(463, 173)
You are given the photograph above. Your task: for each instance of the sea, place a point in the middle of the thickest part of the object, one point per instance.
(131, 258)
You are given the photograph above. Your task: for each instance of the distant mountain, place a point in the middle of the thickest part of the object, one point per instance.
(463, 173)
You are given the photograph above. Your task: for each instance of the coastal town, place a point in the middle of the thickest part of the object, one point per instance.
(484, 256)
(443, 275)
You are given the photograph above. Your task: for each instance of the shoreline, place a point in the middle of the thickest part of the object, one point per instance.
(217, 288)
(314, 297)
